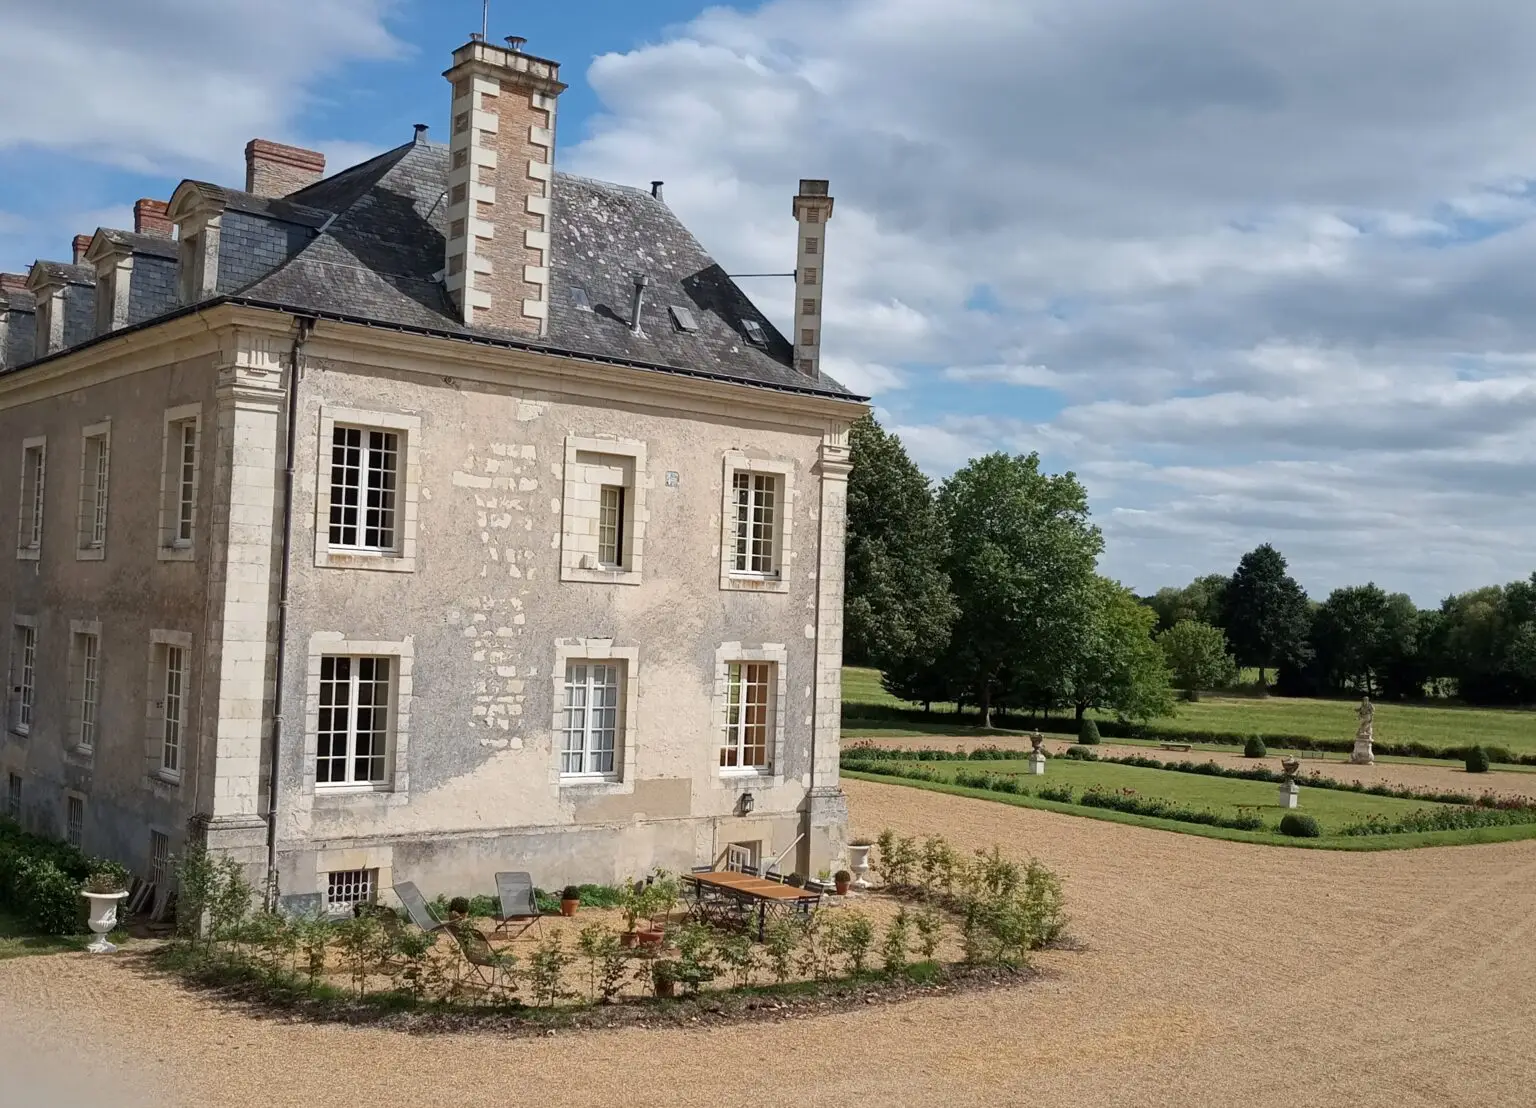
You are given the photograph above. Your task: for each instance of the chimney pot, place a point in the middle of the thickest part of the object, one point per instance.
(152, 217)
(515, 43)
(421, 132)
(272, 169)
(656, 189)
(642, 281)
(13, 282)
(82, 244)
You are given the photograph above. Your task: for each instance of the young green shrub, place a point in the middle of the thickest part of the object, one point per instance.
(854, 940)
(696, 967)
(1477, 760)
(598, 944)
(49, 897)
(361, 941)
(1044, 905)
(736, 952)
(1300, 826)
(930, 932)
(1088, 733)
(780, 943)
(1254, 747)
(899, 858)
(546, 971)
(893, 948)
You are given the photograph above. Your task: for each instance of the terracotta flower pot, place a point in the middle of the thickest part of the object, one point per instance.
(666, 988)
(842, 887)
(651, 938)
(629, 938)
(568, 907)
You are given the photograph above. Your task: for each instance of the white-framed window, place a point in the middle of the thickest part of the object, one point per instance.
(173, 712)
(13, 797)
(95, 466)
(346, 888)
(366, 497)
(23, 680)
(34, 470)
(755, 504)
(159, 858)
(85, 682)
(756, 531)
(747, 744)
(74, 819)
(593, 704)
(168, 708)
(356, 708)
(181, 453)
(604, 516)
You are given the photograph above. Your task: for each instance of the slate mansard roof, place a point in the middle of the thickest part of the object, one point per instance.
(367, 244)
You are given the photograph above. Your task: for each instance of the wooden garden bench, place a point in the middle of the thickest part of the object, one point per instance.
(1175, 746)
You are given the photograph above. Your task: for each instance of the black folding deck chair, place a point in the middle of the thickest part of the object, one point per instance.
(416, 907)
(519, 907)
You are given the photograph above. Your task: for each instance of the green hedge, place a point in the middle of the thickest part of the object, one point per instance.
(1121, 729)
(40, 880)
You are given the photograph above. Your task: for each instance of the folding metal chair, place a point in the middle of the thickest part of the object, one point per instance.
(519, 905)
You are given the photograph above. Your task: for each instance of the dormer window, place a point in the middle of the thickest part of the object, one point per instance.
(106, 288)
(50, 320)
(191, 270)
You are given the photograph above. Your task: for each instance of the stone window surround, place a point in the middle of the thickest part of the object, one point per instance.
(730, 777)
(154, 706)
(83, 552)
(574, 496)
(170, 484)
(397, 791)
(24, 517)
(737, 462)
(407, 486)
(598, 650)
(79, 627)
(12, 671)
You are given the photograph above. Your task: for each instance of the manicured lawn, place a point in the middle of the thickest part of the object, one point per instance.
(16, 940)
(1275, 715)
(1333, 809)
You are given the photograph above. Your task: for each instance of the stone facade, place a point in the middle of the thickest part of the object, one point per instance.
(499, 454)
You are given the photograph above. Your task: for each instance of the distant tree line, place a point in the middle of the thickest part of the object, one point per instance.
(984, 592)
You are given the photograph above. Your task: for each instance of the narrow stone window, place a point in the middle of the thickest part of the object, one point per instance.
(748, 717)
(172, 714)
(23, 677)
(74, 820)
(812, 245)
(85, 667)
(13, 796)
(29, 538)
(95, 464)
(610, 527)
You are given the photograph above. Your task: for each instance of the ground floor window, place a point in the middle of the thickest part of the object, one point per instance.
(748, 716)
(13, 796)
(74, 819)
(352, 745)
(159, 858)
(591, 720)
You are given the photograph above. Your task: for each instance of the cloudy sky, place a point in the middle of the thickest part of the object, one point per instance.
(1256, 272)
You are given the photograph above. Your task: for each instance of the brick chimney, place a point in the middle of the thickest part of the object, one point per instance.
(82, 244)
(501, 167)
(812, 208)
(152, 217)
(272, 169)
(13, 282)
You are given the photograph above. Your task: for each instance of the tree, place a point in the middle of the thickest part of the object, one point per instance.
(897, 609)
(1349, 637)
(1265, 612)
(1021, 561)
(1118, 666)
(1200, 600)
(1197, 655)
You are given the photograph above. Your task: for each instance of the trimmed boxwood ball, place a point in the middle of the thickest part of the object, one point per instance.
(1088, 734)
(1299, 826)
(1477, 760)
(1254, 747)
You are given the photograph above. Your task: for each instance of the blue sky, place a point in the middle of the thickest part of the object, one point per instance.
(1254, 272)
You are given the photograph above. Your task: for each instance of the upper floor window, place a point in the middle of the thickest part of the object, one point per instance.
(755, 537)
(178, 482)
(592, 698)
(365, 473)
(356, 702)
(603, 512)
(95, 464)
(365, 502)
(85, 681)
(23, 677)
(755, 499)
(29, 536)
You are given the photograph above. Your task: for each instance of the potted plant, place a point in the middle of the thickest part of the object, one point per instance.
(664, 976)
(570, 900)
(858, 861)
(103, 890)
(841, 880)
(633, 906)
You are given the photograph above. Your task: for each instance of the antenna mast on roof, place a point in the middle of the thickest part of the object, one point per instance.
(485, 18)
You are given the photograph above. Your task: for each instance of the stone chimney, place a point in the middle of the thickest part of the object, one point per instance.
(82, 244)
(272, 169)
(812, 208)
(152, 217)
(501, 168)
(13, 282)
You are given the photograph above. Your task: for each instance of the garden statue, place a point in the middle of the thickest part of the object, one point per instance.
(1362, 754)
(1036, 755)
(1289, 790)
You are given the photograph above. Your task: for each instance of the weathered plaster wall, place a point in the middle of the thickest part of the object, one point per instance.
(129, 591)
(484, 612)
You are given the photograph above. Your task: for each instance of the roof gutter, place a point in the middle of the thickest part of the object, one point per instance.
(303, 326)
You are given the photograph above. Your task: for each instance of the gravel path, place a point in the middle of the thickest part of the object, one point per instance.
(1400, 774)
(1211, 973)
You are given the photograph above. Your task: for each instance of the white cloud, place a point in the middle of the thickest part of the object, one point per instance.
(1277, 260)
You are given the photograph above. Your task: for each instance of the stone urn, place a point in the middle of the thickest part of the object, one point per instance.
(858, 862)
(102, 919)
(1290, 793)
(1036, 754)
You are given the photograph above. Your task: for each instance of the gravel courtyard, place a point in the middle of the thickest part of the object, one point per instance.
(1210, 973)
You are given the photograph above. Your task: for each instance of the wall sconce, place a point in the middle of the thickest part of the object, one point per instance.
(744, 804)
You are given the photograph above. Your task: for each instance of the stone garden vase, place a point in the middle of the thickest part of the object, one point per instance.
(858, 862)
(102, 919)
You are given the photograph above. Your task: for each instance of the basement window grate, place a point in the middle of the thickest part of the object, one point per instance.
(347, 888)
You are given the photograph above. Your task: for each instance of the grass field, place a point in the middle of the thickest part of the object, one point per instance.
(1333, 809)
(1318, 719)
(16, 940)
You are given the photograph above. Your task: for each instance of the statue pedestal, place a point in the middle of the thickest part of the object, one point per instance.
(1289, 794)
(1037, 764)
(1362, 754)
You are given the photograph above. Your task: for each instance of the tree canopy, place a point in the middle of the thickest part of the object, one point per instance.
(1265, 612)
(1197, 654)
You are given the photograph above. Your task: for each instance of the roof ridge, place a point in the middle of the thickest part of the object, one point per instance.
(350, 171)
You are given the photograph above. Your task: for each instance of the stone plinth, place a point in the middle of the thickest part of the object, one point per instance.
(1037, 764)
(1362, 755)
(1289, 794)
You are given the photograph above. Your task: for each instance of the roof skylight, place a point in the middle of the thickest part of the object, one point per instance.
(683, 319)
